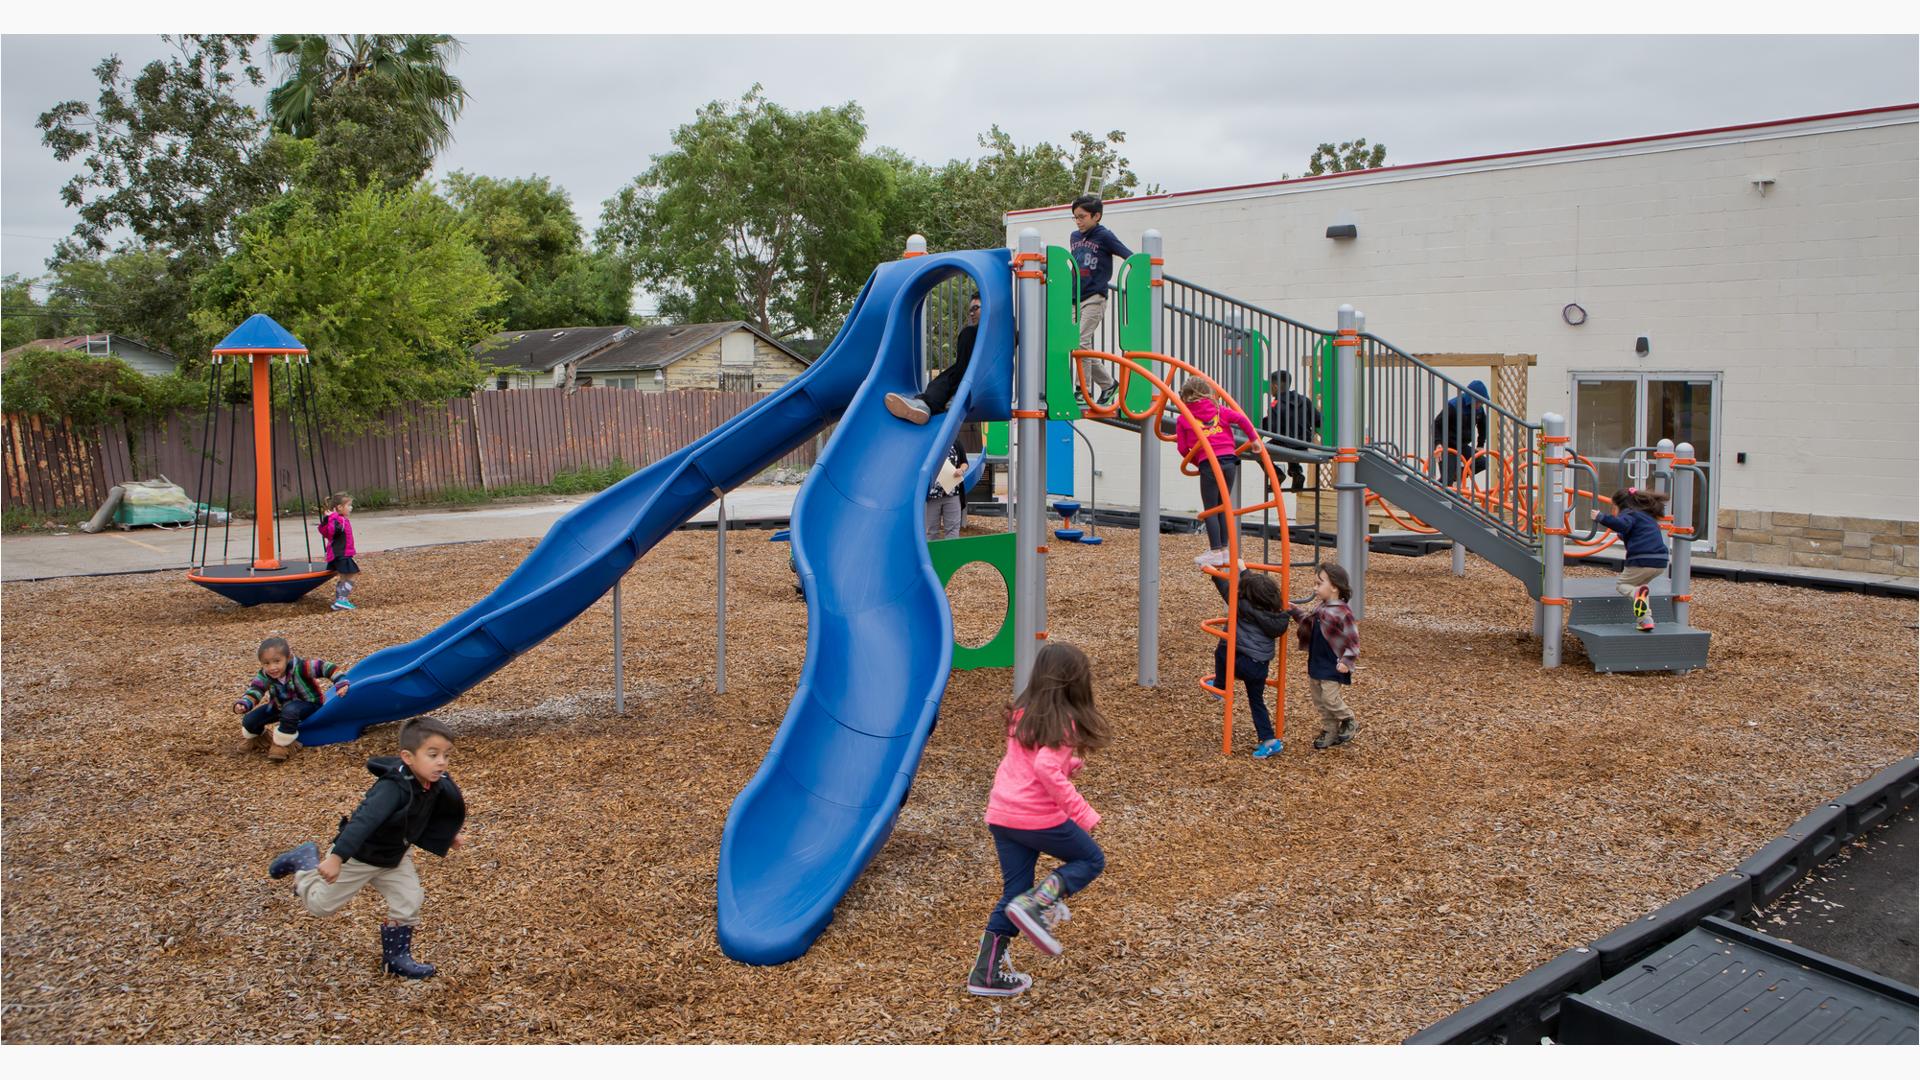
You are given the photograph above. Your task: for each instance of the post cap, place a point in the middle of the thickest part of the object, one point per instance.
(916, 245)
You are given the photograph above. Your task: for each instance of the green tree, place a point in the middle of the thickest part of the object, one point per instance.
(1346, 157)
(171, 154)
(139, 292)
(366, 133)
(24, 318)
(758, 213)
(414, 66)
(968, 197)
(388, 294)
(533, 240)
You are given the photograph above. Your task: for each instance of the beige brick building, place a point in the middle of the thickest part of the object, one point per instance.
(710, 356)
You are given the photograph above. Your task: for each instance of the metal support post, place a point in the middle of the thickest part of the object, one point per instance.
(1553, 602)
(720, 596)
(1685, 479)
(1030, 457)
(1351, 542)
(1154, 245)
(619, 657)
(1459, 559)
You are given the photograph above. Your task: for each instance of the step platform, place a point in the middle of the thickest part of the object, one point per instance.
(1623, 647)
(1723, 984)
(1411, 544)
(1596, 600)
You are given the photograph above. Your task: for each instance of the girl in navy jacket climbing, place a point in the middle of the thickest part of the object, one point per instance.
(1637, 523)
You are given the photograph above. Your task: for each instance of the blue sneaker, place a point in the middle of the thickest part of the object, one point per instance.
(1269, 748)
(304, 857)
(344, 605)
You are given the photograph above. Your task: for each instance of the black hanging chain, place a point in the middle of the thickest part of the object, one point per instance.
(233, 424)
(202, 523)
(299, 478)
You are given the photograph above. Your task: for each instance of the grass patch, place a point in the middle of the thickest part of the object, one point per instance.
(589, 478)
(18, 519)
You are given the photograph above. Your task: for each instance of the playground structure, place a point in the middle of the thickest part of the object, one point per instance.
(879, 631)
(263, 577)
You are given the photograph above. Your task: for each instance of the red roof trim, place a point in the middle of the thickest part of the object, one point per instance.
(1491, 157)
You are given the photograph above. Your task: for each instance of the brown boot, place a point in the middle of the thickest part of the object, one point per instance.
(282, 747)
(250, 744)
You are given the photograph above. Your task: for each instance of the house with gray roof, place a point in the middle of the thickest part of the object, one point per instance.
(711, 356)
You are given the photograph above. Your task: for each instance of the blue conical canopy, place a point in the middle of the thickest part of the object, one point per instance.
(259, 334)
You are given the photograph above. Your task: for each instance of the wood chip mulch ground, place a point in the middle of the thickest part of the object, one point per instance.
(1490, 814)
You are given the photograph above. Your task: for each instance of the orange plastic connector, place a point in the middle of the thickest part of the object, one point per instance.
(1556, 601)
(1555, 440)
(1029, 414)
(1687, 599)
(1555, 532)
(1029, 256)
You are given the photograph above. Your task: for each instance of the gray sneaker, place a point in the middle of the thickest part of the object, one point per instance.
(910, 409)
(1035, 922)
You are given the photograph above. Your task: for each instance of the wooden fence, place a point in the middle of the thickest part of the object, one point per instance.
(491, 441)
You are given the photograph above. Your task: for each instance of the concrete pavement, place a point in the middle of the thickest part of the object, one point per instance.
(112, 551)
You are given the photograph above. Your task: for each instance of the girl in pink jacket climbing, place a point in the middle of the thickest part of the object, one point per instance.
(1217, 422)
(1034, 809)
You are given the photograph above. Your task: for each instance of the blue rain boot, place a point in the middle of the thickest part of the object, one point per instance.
(304, 857)
(396, 953)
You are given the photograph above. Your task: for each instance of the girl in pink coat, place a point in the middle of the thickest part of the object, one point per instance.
(1034, 810)
(1217, 422)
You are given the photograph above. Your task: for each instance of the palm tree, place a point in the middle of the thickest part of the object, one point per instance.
(415, 64)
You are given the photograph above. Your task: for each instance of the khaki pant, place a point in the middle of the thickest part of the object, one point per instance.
(1331, 703)
(399, 884)
(1632, 577)
(1093, 313)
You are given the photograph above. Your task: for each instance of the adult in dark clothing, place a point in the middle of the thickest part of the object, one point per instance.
(1294, 415)
(1460, 431)
(940, 390)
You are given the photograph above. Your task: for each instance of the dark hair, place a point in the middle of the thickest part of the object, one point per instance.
(1057, 708)
(1261, 591)
(1283, 377)
(417, 730)
(1337, 574)
(1091, 204)
(338, 499)
(1648, 502)
(273, 643)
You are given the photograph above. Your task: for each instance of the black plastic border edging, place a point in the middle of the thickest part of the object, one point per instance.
(1743, 575)
(1528, 1008)
(1523, 1011)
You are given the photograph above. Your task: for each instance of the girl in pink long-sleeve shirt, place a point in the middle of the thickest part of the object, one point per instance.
(1034, 809)
(336, 528)
(1217, 422)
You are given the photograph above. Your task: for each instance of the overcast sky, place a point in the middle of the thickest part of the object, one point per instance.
(590, 111)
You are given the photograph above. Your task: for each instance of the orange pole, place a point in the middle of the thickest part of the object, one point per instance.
(266, 558)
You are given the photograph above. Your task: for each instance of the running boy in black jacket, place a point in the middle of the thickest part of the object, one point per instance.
(413, 803)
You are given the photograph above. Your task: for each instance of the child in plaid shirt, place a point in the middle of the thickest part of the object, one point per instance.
(1332, 644)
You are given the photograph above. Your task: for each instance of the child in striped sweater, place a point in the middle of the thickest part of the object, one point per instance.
(286, 688)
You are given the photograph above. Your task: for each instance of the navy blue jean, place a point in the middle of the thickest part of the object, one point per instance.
(1081, 860)
(1254, 674)
(289, 715)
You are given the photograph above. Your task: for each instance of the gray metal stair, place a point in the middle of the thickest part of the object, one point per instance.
(1622, 647)
(1594, 601)
(1444, 510)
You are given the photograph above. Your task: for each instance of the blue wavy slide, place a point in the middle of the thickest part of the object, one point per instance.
(879, 632)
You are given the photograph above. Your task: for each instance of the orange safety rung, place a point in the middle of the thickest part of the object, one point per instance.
(1029, 414)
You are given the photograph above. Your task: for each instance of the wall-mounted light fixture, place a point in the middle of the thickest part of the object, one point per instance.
(1342, 232)
(1641, 347)
(1761, 184)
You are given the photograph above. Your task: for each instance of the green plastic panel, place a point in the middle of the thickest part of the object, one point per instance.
(996, 550)
(1063, 333)
(1326, 382)
(1136, 323)
(997, 438)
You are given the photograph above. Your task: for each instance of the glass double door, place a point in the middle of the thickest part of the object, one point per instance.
(1614, 411)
